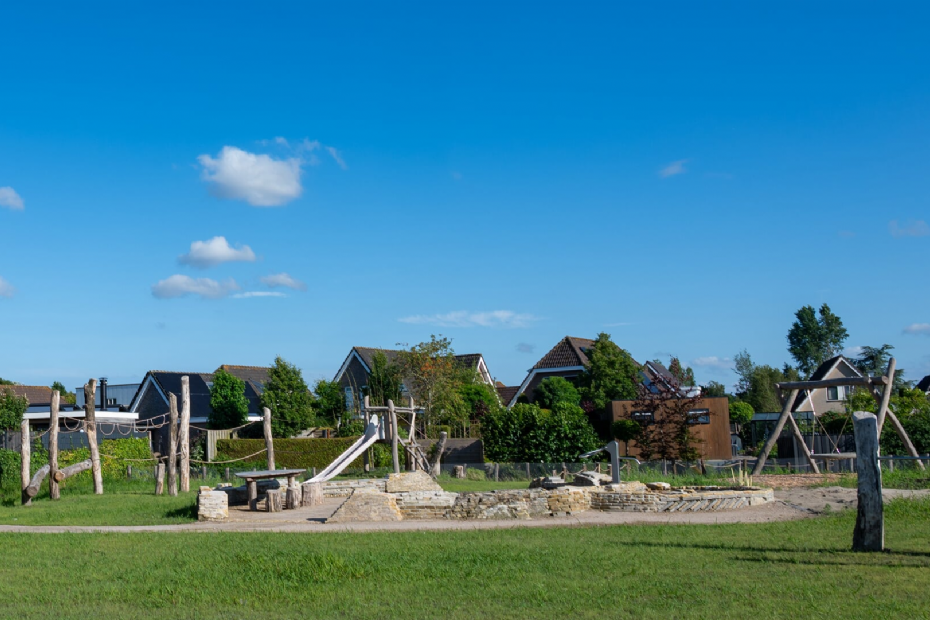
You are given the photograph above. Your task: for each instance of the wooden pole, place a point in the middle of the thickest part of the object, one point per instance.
(32, 489)
(811, 385)
(25, 450)
(72, 470)
(269, 442)
(159, 478)
(770, 442)
(172, 444)
(90, 427)
(804, 449)
(869, 534)
(898, 427)
(886, 396)
(394, 456)
(184, 434)
(53, 491)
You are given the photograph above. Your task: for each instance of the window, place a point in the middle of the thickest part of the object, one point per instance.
(350, 400)
(833, 393)
(699, 416)
(111, 402)
(643, 417)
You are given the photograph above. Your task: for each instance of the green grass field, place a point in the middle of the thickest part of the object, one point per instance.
(775, 570)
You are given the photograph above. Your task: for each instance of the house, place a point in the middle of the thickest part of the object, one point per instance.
(566, 359)
(151, 399)
(822, 400)
(355, 370)
(39, 396)
(924, 385)
(505, 392)
(710, 424)
(117, 395)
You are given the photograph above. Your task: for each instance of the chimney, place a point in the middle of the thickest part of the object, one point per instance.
(103, 393)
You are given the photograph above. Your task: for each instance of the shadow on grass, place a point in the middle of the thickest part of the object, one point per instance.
(827, 556)
(186, 512)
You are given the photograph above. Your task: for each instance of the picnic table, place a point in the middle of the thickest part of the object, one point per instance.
(252, 478)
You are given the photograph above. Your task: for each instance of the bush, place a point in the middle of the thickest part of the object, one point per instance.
(290, 453)
(112, 463)
(527, 433)
(554, 390)
(475, 474)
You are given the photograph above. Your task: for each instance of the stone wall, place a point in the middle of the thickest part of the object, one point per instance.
(632, 498)
(367, 505)
(411, 481)
(426, 504)
(344, 488)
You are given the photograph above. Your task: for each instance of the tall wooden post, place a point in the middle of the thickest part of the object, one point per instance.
(269, 442)
(90, 427)
(869, 534)
(770, 442)
(394, 455)
(159, 478)
(184, 437)
(54, 491)
(25, 451)
(172, 444)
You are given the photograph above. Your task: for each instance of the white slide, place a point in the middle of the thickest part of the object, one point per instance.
(354, 451)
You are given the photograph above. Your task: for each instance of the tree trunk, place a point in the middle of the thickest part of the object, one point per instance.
(184, 438)
(869, 534)
(293, 498)
(269, 442)
(53, 491)
(90, 426)
(33, 488)
(311, 494)
(273, 500)
(172, 444)
(71, 470)
(159, 478)
(25, 449)
(437, 460)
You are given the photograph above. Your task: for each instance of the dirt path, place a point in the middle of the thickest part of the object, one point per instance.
(815, 500)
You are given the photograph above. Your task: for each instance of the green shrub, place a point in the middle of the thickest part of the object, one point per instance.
(289, 453)
(475, 474)
(112, 465)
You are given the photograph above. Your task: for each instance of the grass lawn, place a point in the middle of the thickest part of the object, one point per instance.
(793, 569)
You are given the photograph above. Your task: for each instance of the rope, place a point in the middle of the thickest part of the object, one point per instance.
(201, 428)
(229, 461)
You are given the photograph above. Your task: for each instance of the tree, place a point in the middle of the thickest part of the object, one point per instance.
(714, 389)
(330, 402)
(287, 396)
(528, 434)
(66, 396)
(812, 340)
(384, 381)
(626, 431)
(740, 413)
(743, 366)
(670, 413)
(612, 374)
(873, 361)
(434, 377)
(684, 374)
(229, 407)
(479, 398)
(7, 382)
(12, 408)
(554, 390)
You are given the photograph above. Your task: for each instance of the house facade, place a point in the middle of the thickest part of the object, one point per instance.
(567, 359)
(823, 400)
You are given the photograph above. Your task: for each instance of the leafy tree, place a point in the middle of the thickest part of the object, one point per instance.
(12, 408)
(287, 396)
(612, 374)
(684, 374)
(434, 377)
(812, 340)
(554, 390)
(228, 405)
(7, 382)
(479, 398)
(330, 402)
(66, 396)
(873, 361)
(668, 435)
(384, 382)
(742, 364)
(626, 431)
(527, 433)
(740, 413)
(714, 389)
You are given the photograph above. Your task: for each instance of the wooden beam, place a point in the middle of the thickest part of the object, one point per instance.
(800, 438)
(36, 483)
(159, 478)
(394, 435)
(269, 442)
(770, 442)
(172, 444)
(72, 470)
(813, 385)
(53, 491)
(90, 427)
(902, 434)
(25, 449)
(886, 396)
(869, 534)
(184, 434)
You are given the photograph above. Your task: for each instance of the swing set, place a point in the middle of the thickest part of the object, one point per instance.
(871, 384)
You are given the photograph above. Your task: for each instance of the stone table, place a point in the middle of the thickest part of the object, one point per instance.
(252, 478)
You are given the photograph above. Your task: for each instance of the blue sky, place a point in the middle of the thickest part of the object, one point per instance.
(684, 176)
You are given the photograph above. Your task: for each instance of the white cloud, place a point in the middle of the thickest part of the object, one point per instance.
(282, 279)
(712, 361)
(462, 318)
(852, 351)
(249, 294)
(918, 329)
(260, 180)
(181, 285)
(676, 167)
(337, 157)
(6, 289)
(9, 198)
(525, 347)
(911, 228)
(215, 251)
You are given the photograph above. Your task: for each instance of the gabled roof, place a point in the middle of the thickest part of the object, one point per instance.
(37, 395)
(257, 375)
(823, 372)
(166, 381)
(924, 384)
(367, 356)
(569, 352)
(507, 392)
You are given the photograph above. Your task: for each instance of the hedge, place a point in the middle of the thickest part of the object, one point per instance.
(289, 453)
(112, 468)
